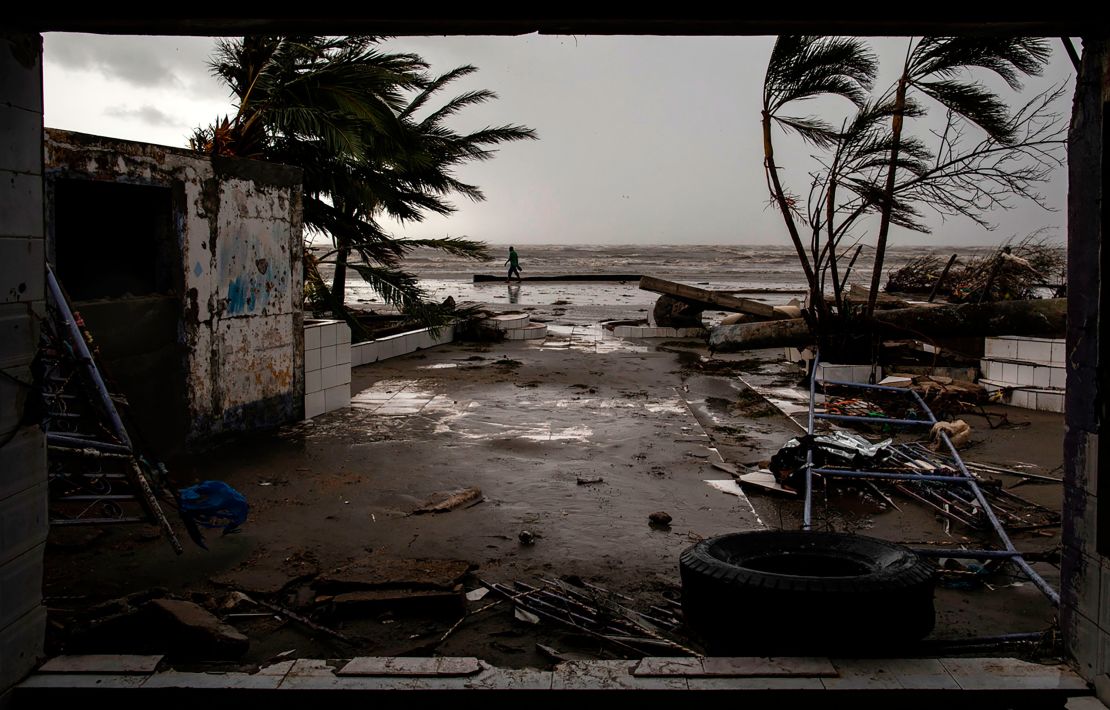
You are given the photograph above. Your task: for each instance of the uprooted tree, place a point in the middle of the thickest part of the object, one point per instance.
(874, 165)
(357, 121)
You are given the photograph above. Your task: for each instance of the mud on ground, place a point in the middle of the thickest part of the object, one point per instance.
(575, 440)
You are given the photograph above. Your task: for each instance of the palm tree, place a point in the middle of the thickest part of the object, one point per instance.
(804, 67)
(345, 112)
(933, 66)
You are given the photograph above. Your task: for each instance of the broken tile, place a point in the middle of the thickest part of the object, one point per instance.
(608, 675)
(389, 666)
(1010, 674)
(102, 663)
(768, 667)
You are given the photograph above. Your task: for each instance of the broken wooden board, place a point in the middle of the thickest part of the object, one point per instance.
(427, 600)
(765, 480)
(716, 299)
(385, 572)
(459, 499)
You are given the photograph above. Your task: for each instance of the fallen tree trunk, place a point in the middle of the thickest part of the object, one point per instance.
(1040, 318)
(709, 299)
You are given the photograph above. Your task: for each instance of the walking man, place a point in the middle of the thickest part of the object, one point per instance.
(514, 265)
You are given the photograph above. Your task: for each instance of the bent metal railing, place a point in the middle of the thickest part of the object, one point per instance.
(965, 478)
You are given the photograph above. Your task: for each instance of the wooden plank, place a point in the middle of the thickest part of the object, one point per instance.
(717, 299)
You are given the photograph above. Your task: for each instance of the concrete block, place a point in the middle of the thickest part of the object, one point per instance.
(1090, 464)
(21, 585)
(329, 334)
(312, 338)
(313, 381)
(344, 374)
(343, 333)
(23, 461)
(23, 522)
(21, 74)
(337, 397)
(312, 360)
(22, 269)
(19, 333)
(13, 397)
(20, 139)
(102, 663)
(314, 405)
(327, 356)
(21, 205)
(369, 352)
(342, 353)
(21, 645)
(1009, 372)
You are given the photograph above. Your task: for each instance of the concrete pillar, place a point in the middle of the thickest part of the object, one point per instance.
(1085, 598)
(23, 516)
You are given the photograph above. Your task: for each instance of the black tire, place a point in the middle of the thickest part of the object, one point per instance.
(777, 591)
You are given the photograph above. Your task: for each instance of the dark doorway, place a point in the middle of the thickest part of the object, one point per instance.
(118, 257)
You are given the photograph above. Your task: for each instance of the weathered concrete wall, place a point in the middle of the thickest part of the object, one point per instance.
(23, 521)
(1085, 602)
(239, 228)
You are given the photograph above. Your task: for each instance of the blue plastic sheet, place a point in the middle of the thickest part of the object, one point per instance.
(214, 504)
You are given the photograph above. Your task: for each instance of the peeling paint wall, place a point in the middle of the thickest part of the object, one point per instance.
(238, 225)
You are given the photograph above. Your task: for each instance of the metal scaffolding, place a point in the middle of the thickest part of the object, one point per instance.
(965, 477)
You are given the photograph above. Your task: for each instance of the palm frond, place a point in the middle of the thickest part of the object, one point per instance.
(974, 102)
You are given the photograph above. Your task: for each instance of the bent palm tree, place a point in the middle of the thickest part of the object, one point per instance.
(932, 66)
(340, 109)
(804, 67)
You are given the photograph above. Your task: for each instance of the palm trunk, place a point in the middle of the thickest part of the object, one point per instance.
(830, 211)
(784, 206)
(888, 192)
(339, 279)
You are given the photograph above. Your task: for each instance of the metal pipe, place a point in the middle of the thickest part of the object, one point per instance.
(886, 475)
(874, 420)
(70, 442)
(85, 357)
(885, 388)
(924, 407)
(1018, 560)
(807, 510)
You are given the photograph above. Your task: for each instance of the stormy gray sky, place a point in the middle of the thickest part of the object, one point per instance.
(649, 140)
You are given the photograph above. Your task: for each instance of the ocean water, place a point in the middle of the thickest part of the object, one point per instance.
(767, 273)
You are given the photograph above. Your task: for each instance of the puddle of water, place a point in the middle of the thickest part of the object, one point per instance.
(439, 366)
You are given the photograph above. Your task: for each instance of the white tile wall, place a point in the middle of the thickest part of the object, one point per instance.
(313, 405)
(327, 361)
(337, 397)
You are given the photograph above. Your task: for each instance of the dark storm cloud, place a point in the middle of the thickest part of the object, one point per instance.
(147, 114)
(144, 62)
